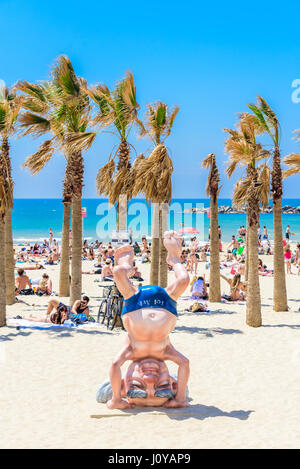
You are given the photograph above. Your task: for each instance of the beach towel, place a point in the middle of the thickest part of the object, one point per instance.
(24, 324)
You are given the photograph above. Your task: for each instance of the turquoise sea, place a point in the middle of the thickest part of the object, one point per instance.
(32, 218)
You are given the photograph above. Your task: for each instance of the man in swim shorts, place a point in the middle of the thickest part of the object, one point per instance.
(149, 316)
(79, 311)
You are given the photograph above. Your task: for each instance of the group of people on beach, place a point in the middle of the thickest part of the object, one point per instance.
(147, 381)
(232, 262)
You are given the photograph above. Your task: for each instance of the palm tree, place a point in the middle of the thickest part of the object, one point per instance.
(69, 119)
(73, 112)
(250, 190)
(10, 105)
(9, 108)
(116, 110)
(38, 120)
(212, 190)
(269, 123)
(153, 178)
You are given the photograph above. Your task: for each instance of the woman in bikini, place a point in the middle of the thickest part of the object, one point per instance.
(237, 287)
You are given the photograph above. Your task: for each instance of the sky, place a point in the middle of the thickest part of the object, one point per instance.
(209, 58)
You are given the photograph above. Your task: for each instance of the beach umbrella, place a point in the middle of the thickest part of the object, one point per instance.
(188, 230)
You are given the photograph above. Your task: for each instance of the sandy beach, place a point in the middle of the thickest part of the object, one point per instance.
(244, 384)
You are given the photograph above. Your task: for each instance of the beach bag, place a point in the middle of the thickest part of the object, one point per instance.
(226, 297)
(78, 318)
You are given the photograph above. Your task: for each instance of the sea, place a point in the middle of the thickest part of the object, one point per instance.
(32, 219)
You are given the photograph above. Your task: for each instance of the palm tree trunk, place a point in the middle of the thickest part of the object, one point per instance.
(9, 250)
(253, 306)
(163, 226)
(2, 274)
(118, 216)
(9, 260)
(64, 272)
(154, 267)
(247, 248)
(76, 271)
(253, 314)
(122, 212)
(214, 279)
(279, 293)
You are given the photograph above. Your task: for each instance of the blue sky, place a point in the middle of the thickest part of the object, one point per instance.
(209, 58)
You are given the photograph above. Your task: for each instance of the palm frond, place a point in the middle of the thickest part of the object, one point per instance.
(36, 162)
(79, 141)
(265, 108)
(153, 176)
(260, 118)
(241, 192)
(171, 118)
(32, 89)
(231, 167)
(128, 91)
(34, 124)
(292, 160)
(104, 178)
(207, 162)
(65, 77)
(264, 184)
(233, 133)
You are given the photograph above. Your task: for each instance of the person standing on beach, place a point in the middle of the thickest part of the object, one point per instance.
(288, 233)
(288, 258)
(130, 235)
(297, 258)
(220, 239)
(265, 235)
(50, 237)
(259, 234)
(243, 232)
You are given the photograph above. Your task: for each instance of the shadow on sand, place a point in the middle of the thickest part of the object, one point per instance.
(291, 326)
(196, 411)
(203, 313)
(207, 332)
(12, 335)
(57, 333)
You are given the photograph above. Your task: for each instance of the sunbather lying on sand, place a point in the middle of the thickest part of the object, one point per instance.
(149, 316)
(58, 313)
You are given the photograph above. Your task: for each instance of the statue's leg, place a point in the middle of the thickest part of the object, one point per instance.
(173, 244)
(124, 258)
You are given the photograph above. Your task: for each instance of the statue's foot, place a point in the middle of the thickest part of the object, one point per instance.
(173, 244)
(124, 256)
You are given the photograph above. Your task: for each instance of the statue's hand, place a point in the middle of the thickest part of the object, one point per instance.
(119, 404)
(174, 403)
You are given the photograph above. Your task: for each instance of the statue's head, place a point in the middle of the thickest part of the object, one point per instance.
(147, 383)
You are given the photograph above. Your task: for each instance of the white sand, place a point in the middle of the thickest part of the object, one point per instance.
(244, 382)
